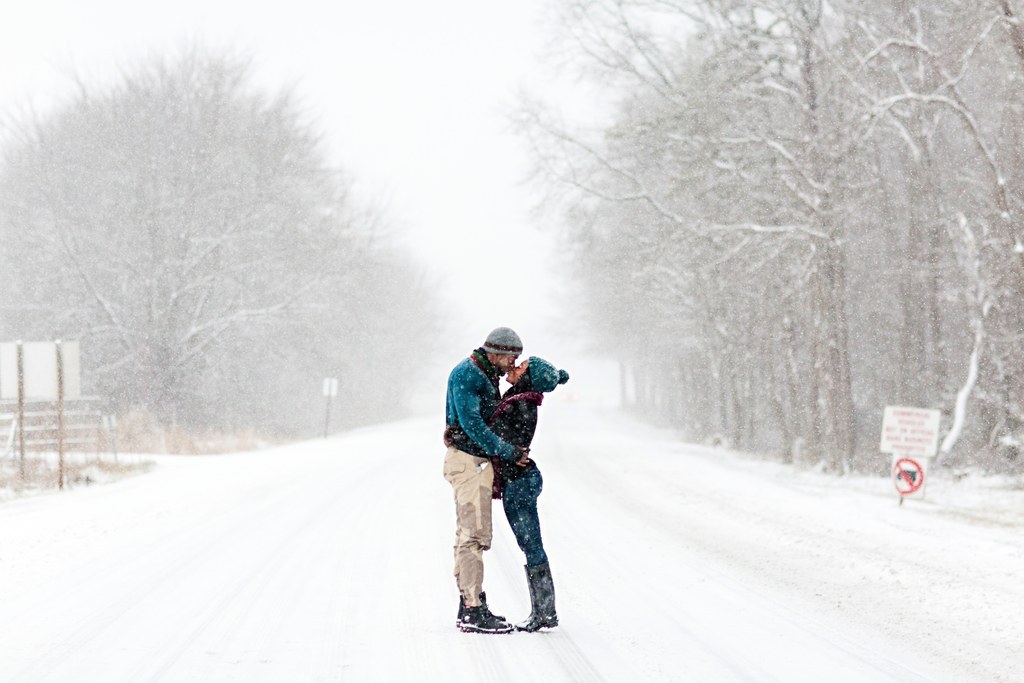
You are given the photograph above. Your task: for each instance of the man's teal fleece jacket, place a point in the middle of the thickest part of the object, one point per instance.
(471, 400)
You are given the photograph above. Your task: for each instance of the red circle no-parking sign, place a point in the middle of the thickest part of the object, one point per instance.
(908, 475)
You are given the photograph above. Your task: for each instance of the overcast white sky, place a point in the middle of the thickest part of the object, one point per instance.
(411, 96)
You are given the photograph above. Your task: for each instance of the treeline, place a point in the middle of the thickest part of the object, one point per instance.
(185, 226)
(802, 211)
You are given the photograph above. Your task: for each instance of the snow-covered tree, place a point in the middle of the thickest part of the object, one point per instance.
(184, 225)
(789, 189)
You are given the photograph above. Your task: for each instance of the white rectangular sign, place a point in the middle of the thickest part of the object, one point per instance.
(330, 386)
(910, 431)
(40, 368)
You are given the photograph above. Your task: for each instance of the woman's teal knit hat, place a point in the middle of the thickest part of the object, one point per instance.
(544, 376)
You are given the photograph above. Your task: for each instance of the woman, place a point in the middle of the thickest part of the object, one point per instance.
(518, 485)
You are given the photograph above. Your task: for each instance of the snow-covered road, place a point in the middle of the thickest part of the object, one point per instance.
(331, 560)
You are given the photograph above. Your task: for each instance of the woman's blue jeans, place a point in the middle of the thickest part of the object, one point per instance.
(519, 498)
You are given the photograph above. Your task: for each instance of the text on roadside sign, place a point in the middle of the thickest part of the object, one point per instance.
(910, 431)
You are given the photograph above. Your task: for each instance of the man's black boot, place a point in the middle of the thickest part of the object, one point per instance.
(483, 601)
(542, 599)
(480, 620)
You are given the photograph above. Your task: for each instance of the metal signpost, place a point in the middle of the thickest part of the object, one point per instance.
(911, 436)
(60, 416)
(330, 391)
(21, 410)
(110, 422)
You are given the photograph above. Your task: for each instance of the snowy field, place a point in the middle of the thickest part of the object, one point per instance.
(331, 561)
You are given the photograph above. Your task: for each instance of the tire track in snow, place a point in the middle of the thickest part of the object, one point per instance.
(179, 555)
(658, 602)
(89, 627)
(647, 518)
(253, 586)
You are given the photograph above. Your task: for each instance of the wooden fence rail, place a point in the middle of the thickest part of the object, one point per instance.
(83, 427)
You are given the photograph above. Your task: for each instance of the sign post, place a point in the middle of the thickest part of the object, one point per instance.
(20, 353)
(330, 391)
(60, 416)
(911, 436)
(110, 421)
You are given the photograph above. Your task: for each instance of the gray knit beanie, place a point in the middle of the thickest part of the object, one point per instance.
(504, 341)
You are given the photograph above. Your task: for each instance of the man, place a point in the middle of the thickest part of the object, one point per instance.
(473, 394)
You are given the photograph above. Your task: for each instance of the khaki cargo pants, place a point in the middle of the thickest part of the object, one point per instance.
(471, 478)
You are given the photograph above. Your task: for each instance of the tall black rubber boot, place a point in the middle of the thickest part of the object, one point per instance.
(542, 599)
